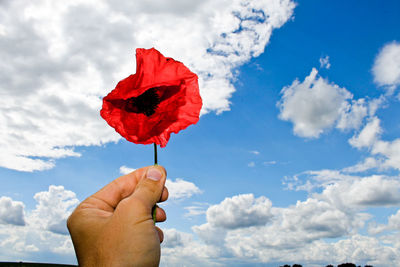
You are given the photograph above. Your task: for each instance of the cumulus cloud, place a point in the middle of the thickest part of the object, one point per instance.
(392, 225)
(240, 211)
(181, 249)
(241, 238)
(366, 164)
(11, 212)
(175, 238)
(42, 229)
(375, 190)
(308, 223)
(53, 208)
(390, 150)
(385, 154)
(60, 59)
(316, 105)
(353, 115)
(368, 135)
(180, 189)
(386, 69)
(356, 248)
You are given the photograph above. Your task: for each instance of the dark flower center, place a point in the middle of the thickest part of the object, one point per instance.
(146, 103)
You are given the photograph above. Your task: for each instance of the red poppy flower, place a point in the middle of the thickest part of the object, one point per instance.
(160, 99)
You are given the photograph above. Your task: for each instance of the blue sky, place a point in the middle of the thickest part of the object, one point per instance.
(294, 160)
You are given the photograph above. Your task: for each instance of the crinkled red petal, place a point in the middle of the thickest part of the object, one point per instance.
(177, 88)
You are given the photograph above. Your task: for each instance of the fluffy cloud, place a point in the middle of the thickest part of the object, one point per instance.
(180, 249)
(240, 211)
(53, 208)
(386, 67)
(368, 135)
(59, 59)
(298, 233)
(11, 212)
(180, 189)
(393, 224)
(370, 191)
(316, 105)
(44, 230)
(386, 154)
(353, 115)
(390, 150)
(175, 238)
(254, 232)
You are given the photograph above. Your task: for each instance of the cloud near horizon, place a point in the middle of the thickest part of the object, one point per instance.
(244, 227)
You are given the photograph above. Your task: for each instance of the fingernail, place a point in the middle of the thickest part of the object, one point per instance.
(154, 174)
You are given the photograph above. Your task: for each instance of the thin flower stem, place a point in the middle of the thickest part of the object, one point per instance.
(155, 154)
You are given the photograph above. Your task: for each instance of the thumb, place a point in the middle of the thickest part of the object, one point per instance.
(147, 192)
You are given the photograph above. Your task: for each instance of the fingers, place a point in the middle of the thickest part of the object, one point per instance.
(160, 234)
(123, 187)
(164, 195)
(148, 191)
(161, 216)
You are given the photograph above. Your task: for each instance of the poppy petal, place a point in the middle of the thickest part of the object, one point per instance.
(161, 98)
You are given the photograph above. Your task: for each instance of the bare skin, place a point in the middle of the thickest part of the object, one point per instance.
(114, 227)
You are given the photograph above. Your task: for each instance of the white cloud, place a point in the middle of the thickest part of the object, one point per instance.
(392, 225)
(180, 249)
(386, 67)
(125, 170)
(44, 230)
(387, 152)
(366, 164)
(315, 105)
(11, 212)
(180, 189)
(353, 116)
(240, 211)
(295, 233)
(53, 208)
(394, 221)
(324, 62)
(368, 135)
(175, 238)
(241, 229)
(373, 191)
(60, 59)
(347, 191)
(196, 209)
(390, 151)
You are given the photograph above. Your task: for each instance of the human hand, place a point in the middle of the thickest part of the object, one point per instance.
(114, 227)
